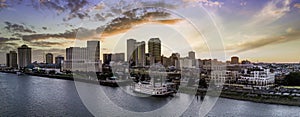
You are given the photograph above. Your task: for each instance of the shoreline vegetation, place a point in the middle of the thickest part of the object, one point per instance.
(246, 96)
(236, 95)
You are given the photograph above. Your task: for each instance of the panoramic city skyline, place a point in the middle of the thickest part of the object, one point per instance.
(150, 58)
(266, 31)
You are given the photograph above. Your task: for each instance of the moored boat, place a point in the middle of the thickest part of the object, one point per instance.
(149, 89)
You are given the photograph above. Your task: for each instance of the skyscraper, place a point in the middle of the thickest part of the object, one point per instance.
(75, 59)
(136, 52)
(49, 58)
(24, 55)
(234, 60)
(83, 58)
(131, 54)
(11, 59)
(174, 59)
(154, 48)
(93, 51)
(118, 57)
(107, 58)
(192, 55)
(59, 60)
(140, 51)
(7, 60)
(76, 53)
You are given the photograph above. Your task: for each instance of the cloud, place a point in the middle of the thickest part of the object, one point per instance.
(79, 33)
(297, 5)
(116, 26)
(14, 28)
(137, 17)
(243, 3)
(210, 3)
(73, 8)
(261, 42)
(3, 39)
(99, 6)
(7, 44)
(35, 37)
(76, 15)
(52, 5)
(170, 21)
(289, 30)
(99, 17)
(3, 5)
(272, 11)
(161, 4)
(46, 44)
(82, 9)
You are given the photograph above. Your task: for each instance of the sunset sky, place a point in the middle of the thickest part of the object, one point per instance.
(257, 30)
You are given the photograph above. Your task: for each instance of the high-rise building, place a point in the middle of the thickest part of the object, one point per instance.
(49, 58)
(59, 60)
(118, 57)
(76, 53)
(174, 60)
(147, 61)
(107, 58)
(75, 59)
(7, 60)
(131, 50)
(140, 51)
(83, 58)
(24, 55)
(234, 60)
(165, 61)
(11, 59)
(93, 51)
(192, 55)
(154, 49)
(136, 52)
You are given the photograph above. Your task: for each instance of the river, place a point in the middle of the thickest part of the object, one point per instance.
(37, 96)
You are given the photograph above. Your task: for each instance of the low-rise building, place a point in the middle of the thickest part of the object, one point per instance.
(257, 77)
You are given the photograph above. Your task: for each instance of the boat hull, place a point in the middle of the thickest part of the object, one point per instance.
(154, 95)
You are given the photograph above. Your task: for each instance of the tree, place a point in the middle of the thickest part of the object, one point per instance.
(293, 79)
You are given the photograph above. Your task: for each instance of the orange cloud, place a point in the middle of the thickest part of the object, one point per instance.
(124, 27)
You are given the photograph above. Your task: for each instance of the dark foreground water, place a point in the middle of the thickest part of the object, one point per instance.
(37, 96)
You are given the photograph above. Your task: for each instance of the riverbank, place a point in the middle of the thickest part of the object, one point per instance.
(77, 77)
(62, 77)
(246, 96)
(262, 98)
